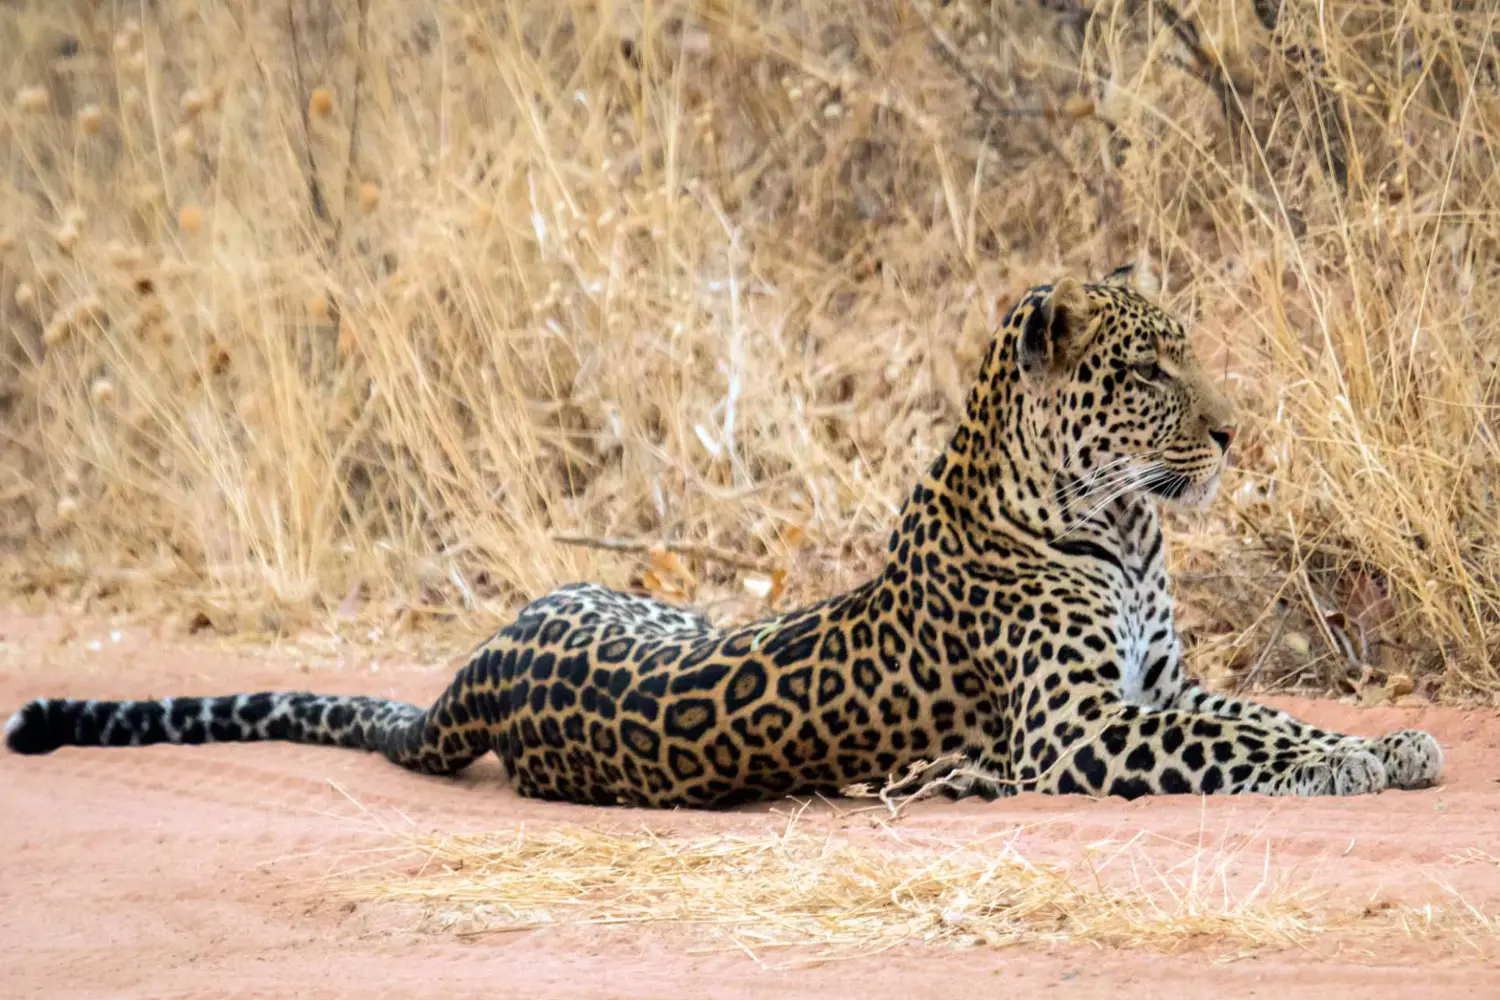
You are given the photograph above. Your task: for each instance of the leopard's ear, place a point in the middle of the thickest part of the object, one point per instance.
(1136, 276)
(1056, 331)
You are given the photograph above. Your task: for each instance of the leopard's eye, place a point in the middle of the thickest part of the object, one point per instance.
(1150, 371)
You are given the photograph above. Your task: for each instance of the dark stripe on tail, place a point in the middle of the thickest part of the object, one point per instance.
(422, 741)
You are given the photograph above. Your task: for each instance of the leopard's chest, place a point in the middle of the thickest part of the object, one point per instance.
(1143, 612)
(1135, 623)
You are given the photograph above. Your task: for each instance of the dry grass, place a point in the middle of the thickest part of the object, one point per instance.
(802, 896)
(355, 304)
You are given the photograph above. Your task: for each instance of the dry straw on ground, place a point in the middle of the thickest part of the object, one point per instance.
(807, 896)
(357, 304)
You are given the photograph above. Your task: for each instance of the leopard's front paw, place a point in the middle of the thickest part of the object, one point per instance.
(1411, 757)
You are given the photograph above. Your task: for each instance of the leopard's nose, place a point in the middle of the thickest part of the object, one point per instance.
(1224, 437)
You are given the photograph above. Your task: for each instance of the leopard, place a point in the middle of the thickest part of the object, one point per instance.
(1020, 627)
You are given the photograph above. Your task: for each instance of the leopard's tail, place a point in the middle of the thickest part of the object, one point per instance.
(440, 740)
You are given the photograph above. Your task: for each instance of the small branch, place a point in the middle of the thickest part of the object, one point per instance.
(706, 552)
(314, 189)
(1248, 680)
(351, 161)
(918, 782)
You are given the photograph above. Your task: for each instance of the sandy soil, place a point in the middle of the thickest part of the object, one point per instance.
(194, 872)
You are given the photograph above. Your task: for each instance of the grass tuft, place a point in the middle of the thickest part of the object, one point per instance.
(802, 896)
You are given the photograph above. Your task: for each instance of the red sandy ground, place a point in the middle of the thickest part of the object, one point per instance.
(193, 872)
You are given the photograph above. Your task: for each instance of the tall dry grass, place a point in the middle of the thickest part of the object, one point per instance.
(360, 303)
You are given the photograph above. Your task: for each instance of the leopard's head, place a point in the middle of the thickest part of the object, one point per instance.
(1113, 396)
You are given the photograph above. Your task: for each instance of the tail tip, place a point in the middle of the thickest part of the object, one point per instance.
(27, 731)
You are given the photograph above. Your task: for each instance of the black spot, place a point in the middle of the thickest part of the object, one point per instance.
(792, 631)
(834, 650)
(277, 728)
(772, 720)
(690, 718)
(861, 636)
(837, 723)
(616, 650)
(892, 647)
(613, 681)
(830, 686)
(602, 739)
(645, 743)
(796, 686)
(185, 710)
(551, 735)
(1173, 783)
(866, 676)
(723, 756)
(255, 708)
(1141, 759)
(664, 656)
(685, 765)
(1130, 788)
(1093, 769)
(747, 685)
(1192, 756)
(702, 678)
(643, 705)
(1114, 738)
(794, 652)
(1213, 780)
(574, 669)
(1171, 739)
(926, 674)
(538, 698)
(741, 728)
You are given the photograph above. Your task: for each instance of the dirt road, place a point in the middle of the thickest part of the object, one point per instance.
(195, 872)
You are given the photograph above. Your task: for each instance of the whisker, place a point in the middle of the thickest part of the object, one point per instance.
(1128, 486)
(1097, 475)
(1110, 485)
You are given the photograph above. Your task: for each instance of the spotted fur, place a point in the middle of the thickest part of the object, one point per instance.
(1022, 619)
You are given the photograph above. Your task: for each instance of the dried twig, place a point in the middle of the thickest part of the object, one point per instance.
(351, 159)
(895, 797)
(314, 189)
